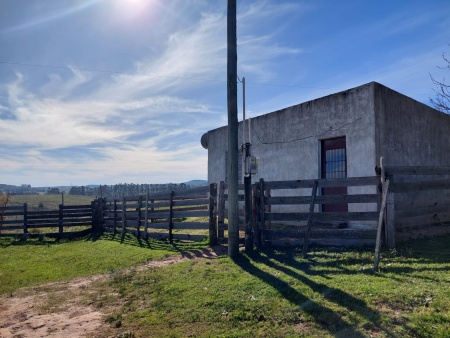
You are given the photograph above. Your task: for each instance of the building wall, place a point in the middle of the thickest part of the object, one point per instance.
(410, 133)
(287, 141)
(376, 121)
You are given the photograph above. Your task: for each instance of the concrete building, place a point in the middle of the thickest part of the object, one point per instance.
(340, 135)
(354, 128)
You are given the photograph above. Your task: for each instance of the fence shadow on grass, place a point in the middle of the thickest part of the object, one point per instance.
(324, 316)
(149, 243)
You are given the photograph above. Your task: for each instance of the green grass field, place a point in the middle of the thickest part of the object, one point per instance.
(332, 293)
(49, 202)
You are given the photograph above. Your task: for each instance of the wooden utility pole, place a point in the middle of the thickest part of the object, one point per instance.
(232, 169)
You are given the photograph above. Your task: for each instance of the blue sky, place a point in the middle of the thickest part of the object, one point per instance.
(111, 91)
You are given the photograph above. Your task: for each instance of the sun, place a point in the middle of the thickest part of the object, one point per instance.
(136, 3)
(133, 8)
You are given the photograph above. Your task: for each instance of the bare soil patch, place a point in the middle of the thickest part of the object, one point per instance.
(58, 310)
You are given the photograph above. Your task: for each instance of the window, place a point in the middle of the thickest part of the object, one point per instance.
(334, 165)
(334, 158)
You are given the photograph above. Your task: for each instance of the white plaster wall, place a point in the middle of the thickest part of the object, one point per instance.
(287, 141)
(410, 133)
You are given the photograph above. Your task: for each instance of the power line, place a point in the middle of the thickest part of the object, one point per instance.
(306, 137)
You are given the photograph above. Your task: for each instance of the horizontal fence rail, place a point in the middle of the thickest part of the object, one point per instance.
(185, 215)
(188, 214)
(419, 201)
(18, 220)
(290, 227)
(417, 204)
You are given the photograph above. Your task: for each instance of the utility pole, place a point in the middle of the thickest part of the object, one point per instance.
(232, 169)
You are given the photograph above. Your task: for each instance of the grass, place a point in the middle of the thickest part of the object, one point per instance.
(332, 293)
(49, 202)
(33, 262)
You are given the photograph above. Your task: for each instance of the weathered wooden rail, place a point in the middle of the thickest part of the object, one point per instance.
(281, 227)
(189, 214)
(19, 221)
(283, 212)
(418, 202)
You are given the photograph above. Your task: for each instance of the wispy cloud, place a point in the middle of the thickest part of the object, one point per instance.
(145, 124)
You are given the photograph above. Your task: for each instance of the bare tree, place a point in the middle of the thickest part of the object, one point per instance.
(442, 90)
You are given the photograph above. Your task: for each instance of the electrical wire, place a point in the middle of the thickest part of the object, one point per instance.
(306, 137)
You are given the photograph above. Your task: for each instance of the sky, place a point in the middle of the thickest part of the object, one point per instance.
(121, 91)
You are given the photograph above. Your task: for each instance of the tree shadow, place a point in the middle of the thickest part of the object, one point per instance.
(328, 319)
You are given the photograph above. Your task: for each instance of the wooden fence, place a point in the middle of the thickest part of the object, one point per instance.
(418, 203)
(290, 227)
(189, 214)
(19, 221)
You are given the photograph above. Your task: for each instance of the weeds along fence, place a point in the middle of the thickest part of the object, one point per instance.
(66, 221)
(189, 214)
(418, 202)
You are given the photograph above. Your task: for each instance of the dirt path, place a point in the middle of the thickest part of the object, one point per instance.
(28, 315)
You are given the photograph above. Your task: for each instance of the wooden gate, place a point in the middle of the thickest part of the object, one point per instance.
(283, 209)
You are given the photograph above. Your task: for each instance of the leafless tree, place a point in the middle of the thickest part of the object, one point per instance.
(442, 100)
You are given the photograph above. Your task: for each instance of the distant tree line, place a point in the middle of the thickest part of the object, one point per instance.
(24, 189)
(53, 191)
(124, 189)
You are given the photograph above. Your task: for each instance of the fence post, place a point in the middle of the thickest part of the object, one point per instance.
(102, 214)
(146, 217)
(115, 217)
(171, 217)
(213, 214)
(61, 220)
(262, 225)
(139, 216)
(152, 209)
(97, 215)
(94, 217)
(390, 220)
(124, 214)
(310, 216)
(385, 189)
(256, 216)
(25, 219)
(248, 215)
(268, 208)
(221, 211)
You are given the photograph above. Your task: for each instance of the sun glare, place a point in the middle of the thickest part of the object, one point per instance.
(132, 8)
